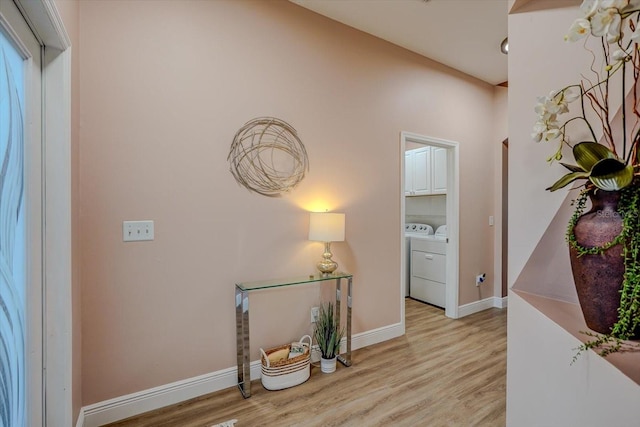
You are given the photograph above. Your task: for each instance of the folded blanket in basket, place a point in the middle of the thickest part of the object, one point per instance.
(279, 355)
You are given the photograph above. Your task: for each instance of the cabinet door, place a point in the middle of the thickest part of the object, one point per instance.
(422, 171)
(439, 163)
(408, 173)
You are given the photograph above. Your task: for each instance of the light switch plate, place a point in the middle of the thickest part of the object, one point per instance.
(134, 231)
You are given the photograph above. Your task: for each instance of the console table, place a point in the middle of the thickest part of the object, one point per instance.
(242, 317)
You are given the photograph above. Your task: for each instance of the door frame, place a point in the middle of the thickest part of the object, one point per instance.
(453, 219)
(45, 22)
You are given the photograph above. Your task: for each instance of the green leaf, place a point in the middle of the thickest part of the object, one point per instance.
(587, 154)
(572, 168)
(611, 174)
(327, 331)
(568, 179)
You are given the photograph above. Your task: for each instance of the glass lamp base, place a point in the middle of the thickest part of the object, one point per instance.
(327, 265)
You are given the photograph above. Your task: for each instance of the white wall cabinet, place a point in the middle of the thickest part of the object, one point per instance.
(438, 170)
(425, 171)
(417, 172)
(408, 173)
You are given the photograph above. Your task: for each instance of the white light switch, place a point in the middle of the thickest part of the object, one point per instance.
(133, 231)
(491, 220)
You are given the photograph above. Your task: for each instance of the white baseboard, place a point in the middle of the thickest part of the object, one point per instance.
(375, 336)
(80, 421)
(477, 306)
(122, 407)
(133, 404)
(500, 302)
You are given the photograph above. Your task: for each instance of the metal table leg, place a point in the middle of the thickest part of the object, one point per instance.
(347, 361)
(242, 342)
(346, 358)
(338, 298)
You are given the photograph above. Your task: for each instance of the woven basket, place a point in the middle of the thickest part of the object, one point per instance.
(288, 372)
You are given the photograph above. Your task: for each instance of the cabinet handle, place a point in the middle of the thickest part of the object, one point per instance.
(428, 256)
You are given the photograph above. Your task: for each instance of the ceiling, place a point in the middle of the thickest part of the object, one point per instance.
(463, 34)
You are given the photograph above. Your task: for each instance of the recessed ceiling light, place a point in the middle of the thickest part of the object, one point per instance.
(504, 46)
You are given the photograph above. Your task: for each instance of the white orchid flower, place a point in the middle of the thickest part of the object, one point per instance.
(552, 133)
(619, 55)
(606, 22)
(589, 7)
(536, 136)
(579, 29)
(541, 108)
(561, 107)
(613, 4)
(557, 102)
(548, 134)
(547, 110)
(571, 95)
(545, 130)
(539, 131)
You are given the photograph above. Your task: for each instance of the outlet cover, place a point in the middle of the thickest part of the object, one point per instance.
(315, 313)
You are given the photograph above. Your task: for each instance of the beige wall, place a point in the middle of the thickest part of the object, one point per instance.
(164, 86)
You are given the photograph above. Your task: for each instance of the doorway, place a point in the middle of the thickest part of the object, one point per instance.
(451, 148)
(504, 238)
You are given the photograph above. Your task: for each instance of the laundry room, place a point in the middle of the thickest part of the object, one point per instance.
(425, 223)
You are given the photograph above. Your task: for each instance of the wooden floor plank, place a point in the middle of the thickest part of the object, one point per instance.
(442, 372)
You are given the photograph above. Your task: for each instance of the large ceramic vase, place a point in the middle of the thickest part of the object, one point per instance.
(598, 278)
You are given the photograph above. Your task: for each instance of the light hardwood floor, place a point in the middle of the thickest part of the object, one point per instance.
(443, 372)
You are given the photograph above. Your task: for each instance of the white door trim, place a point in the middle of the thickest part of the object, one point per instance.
(453, 218)
(46, 23)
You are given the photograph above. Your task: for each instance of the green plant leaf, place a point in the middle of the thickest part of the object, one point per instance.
(572, 168)
(568, 179)
(611, 174)
(587, 154)
(327, 331)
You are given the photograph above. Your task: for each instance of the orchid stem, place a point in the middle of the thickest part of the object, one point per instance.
(624, 108)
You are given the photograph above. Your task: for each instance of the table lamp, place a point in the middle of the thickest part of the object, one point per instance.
(326, 227)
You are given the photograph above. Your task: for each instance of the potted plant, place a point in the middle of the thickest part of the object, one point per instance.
(604, 242)
(328, 335)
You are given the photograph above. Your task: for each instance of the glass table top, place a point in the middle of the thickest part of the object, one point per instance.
(274, 283)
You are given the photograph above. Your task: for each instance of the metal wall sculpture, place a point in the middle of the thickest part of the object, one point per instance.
(267, 157)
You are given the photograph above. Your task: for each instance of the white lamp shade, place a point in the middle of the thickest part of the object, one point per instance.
(326, 227)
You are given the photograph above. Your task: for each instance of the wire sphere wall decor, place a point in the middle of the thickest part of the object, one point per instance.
(267, 157)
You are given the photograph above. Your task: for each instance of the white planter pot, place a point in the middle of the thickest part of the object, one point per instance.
(328, 365)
